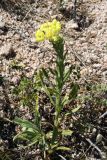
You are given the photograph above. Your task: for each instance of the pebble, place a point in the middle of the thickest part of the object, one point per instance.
(96, 66)
(104, 67)
(99, 138)
(2, 23)
(15, 79)
(71, 25)
(82, 40)
(94, 58)
(7, 51)
(17, 37)
(105, 58)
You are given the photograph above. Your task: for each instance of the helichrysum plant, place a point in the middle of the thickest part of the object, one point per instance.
(33, 132)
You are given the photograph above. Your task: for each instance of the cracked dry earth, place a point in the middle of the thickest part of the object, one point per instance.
(85, 39)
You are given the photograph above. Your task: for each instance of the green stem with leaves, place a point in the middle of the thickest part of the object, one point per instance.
(60, 67)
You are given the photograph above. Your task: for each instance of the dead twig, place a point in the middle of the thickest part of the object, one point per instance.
(102, 154)
(103, 115)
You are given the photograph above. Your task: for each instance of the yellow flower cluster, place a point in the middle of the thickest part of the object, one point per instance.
(48, 31)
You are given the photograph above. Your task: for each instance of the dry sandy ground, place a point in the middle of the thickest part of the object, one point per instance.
(18, 22)
(85, 39)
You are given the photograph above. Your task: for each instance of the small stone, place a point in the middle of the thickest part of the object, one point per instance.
(32, 40)
(71, 42)
(93, 34)
(99, 26)
(84, 71)
(17, 37)
(105, 20)
(54, 16)
(99, 138)
(95, 66)
(105, 59)
(94, 58)
(38, 51)
(94, 131)
(1, 114)
(7, 51)
(104, 67)
(71, 25)
(15, 79)
(82, 40)
(2, 23)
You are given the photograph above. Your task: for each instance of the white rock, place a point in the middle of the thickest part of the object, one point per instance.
(71, 25)
(97, 65)
(99, 138)
(2, 23)
(7, 50)
(105, 59)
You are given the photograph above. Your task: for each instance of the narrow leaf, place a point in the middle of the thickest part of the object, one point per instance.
(47, 91)
(45, 73)
(74, 91)
(67, 132)
(76, 109)
(52, 71)
(65, 100)
(63, 148)
(25, 123)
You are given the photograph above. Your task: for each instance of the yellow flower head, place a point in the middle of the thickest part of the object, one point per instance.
(56, 25)
(48, 34)
(40, 36)
(44, 26)
(49, 31)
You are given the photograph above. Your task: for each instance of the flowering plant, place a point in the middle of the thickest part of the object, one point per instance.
(49, 141)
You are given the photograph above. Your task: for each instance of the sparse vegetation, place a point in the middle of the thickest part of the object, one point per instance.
(53, 90)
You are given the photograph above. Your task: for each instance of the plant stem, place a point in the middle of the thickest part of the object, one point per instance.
(59, 48)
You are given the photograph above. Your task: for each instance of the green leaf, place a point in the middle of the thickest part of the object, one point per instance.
(47, 91)
(74, 91)
(67, 74)
(54, 135)
(63, 148)
(31, 137)
(25, 123)
(37, 82)
(65, 100)
(52, 90)
(52, 71)
(37, 113)
(26, 135)
(55, 145)
(45, 88)
(65, 55)
(45, 73)
(76, 109)
(37, 104)
(67, 132)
